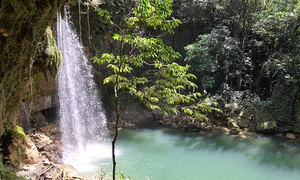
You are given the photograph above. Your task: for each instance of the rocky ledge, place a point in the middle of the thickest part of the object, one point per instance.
(229, 126)
(43, 156)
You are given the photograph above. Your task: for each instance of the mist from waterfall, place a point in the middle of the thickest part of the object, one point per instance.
(82, 117)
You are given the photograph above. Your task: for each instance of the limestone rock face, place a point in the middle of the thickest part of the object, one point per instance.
(28, 53)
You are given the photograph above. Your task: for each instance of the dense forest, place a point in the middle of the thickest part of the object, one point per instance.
(209, 67)
(244, 52)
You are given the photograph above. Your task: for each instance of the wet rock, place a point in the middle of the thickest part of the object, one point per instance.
(242, 135)
(225, 130)
(23, 119)
(290, 136)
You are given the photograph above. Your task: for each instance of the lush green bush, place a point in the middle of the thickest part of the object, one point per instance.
(6, 173)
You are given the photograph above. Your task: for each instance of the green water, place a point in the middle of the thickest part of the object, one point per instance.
(168, 154)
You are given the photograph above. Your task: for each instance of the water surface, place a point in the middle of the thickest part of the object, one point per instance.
(168, 154)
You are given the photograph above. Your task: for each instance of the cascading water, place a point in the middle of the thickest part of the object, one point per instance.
(82, 118)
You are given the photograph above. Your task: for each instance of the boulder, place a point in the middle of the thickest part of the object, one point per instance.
(41, 140)
(235, 130)
(191, 127)
(290, 136)
(174, 125)
(243, 123)
(32, 155)
(200, 125)
(242, 135)
(267, 126)
(232, 109)
(232, 125)
(69, 170)
(208, 126)
(22, 149)
(244, 119)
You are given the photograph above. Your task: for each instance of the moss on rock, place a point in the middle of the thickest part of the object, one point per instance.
(28, 53)
(18, 146)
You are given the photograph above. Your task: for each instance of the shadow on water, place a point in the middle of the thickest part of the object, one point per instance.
(263, 150)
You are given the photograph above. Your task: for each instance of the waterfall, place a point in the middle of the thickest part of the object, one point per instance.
(82, 118)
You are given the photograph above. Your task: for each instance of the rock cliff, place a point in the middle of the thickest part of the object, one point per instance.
(28, 54)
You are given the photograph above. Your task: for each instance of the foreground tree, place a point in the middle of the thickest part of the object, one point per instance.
(143, 66)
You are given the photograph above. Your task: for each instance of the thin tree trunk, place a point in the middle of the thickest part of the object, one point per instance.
(116, 130)
(118, 113)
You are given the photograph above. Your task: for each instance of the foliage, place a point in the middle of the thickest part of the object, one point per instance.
(201, 60)
(123, 177)
(164, 83)
(218, 58)
(6, 173)
(278, 24)
(250, 45)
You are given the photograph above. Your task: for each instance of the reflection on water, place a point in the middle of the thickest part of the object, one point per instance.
(168, 154)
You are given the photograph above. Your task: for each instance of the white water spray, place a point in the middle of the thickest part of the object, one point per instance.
(82, 118)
